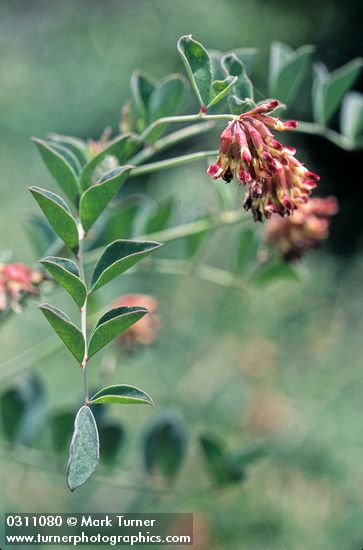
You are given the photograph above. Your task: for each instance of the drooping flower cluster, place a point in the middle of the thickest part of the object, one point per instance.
(144, 332)
(304, 230)
(275, 181)
(16, 281)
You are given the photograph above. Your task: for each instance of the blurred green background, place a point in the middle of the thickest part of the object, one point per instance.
(280, 365)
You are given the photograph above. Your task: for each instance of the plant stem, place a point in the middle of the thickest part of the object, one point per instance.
(319, 130)
(180, 119)
(170, 140)
(170, 163)
(221, 219)
(83, 312)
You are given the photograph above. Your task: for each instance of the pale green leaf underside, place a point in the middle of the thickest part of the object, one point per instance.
(220, 89)
(113, 323)
(66, 273)
(96, 198)
(68, 332)
(84, 449)
(58, 215)
(122, 394)
(118, 257)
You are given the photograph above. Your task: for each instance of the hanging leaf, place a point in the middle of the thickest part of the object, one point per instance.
(164, 445)
(340, 81)
(234, 66)
(246, 250)
(39, 233)
(111, 437)
(117, 258)
(61, 170)
(84, 449)
(321, 75)
(66, 273)
(12, 410)
(213, 452)
(287, 70)
(113, 323)
(351, 119)
(122, 394)
(220, 89)
(160, 216)
(142, 87)
(122, 147)
(68, 332)
(247, 56)
(329, 89)
(61, 429)
(166, 100)
(96, 198)
(198, 65)
(58, 215)
(274, 272)
(22, 410)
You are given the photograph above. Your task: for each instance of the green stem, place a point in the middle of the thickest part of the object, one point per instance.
(170, 140)
(83, 313)
(171, 163)
(221, 219)
(181, 119)
(319, 130)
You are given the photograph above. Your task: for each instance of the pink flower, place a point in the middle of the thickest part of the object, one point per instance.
(144, 332)
(275, 181)
(16, 281)
(305, 229)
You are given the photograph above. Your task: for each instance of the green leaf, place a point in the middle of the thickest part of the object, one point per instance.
(61, 170)
(234, 66)
(142, 87)
(166, 100)
(122, 394)
(96, 198)
(122, 147)
(61, 429)
(213, 452)
(238, 106)
(194, 242)
(112, 437)
(274, 272)
(75, 145)
(236, 462)
(12, 410)
(198, 65)
(84, 449)
(68, 332)
(66, 273)
(164, 445)
(246, 250)
(159, 217)
(39, 233)
(321, 76)
(67, 155)
(220, 89)
(23, 410)
(118, 257)
(279, 54)
(58, 215)
(113, 323)
(351, 119)
(247, 56)
(339, 83)
(287, 70)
